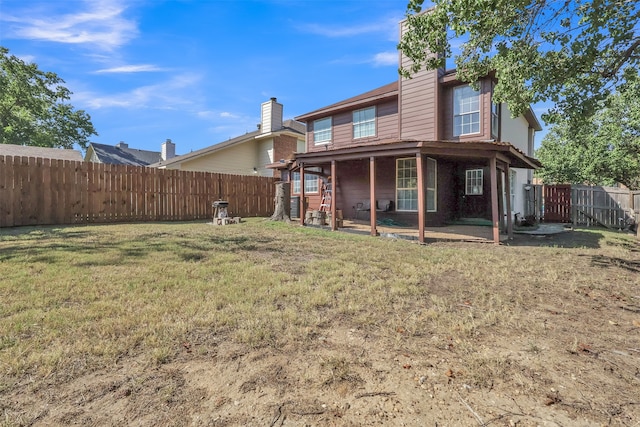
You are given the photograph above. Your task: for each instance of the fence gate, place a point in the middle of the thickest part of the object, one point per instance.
(557, 203)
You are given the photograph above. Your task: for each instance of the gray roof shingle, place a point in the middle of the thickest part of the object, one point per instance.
(113, 155)
(44, 152)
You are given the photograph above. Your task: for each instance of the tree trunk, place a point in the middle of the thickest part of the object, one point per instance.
(282, 202)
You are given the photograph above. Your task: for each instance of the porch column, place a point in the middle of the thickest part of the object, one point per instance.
(422, 206)
(501, 194)
(493, 185)
(303, 210)
(333, 195)
(507, 185)
(372, 194)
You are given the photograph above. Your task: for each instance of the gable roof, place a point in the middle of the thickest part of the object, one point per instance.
(114, 155)
(287, 126)
(383, 92)
(44, 152)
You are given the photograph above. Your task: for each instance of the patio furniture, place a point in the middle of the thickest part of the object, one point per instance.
(364, 206)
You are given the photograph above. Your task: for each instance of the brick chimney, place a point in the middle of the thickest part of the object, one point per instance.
(271, 118)
(168, 150)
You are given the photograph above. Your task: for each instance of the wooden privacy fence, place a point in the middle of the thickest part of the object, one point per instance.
(610, 207)
(36, 191)
(557, 203)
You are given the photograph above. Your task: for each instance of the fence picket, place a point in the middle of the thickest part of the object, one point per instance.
(591, 205)
(49, 192)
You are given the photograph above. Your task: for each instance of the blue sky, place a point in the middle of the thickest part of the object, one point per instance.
(196, 71)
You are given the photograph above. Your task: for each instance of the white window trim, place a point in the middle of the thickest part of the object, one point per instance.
(434, 163)
(295, 178)
(353, 120)
(324, 141)
(476, 172)
(479, 111)
(404, 188)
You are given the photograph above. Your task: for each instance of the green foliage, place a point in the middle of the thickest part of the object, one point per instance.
(33, 109)
(604, 150)
(571, 53)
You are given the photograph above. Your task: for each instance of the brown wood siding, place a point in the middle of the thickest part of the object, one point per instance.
(387, 120)
(342, 128)
(353, 183)
(418, 106)
(485, 114)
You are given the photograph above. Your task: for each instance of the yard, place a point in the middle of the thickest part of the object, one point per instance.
(269, 324)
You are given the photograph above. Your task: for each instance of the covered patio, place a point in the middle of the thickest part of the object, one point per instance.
(361, 164)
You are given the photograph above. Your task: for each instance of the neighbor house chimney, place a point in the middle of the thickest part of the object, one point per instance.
(122, 144)
(271, 118)
(168, 150)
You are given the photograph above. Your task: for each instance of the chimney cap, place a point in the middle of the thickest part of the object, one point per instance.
(274, 99)
(168, 141)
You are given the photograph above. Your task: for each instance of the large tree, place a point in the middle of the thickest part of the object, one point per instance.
(606, 148)
(33, 107)
(572, 53)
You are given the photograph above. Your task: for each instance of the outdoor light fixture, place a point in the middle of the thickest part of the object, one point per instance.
(255, 170)
(527, 187)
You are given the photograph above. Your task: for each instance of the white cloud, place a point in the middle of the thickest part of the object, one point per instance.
(97, 23)
(179, 92)
(130, 69)
(214, 115)
(388, 26)
(385, 58)
(381, 59)
(29, 59)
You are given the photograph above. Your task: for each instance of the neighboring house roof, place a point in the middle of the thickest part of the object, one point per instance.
(287, 126)
(115, 155)
(387, 91)
(44, 152)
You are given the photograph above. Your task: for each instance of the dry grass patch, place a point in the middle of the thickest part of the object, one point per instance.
(265, 317)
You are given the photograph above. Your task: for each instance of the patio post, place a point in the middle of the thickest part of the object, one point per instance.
(303, 209)
(333, 195)
(493, 185)
(421, 198)
(372, 194)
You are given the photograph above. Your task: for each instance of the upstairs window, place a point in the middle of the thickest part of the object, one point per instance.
(364, 122)
(466, 111)
(322, 131)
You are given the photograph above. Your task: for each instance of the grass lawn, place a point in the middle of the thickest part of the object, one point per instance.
(265, 323)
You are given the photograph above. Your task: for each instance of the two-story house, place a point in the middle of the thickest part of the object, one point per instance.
(430, 149)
